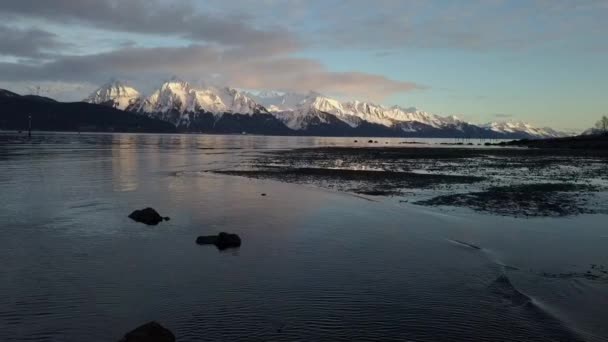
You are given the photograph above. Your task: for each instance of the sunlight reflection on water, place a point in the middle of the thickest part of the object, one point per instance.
(322, 265)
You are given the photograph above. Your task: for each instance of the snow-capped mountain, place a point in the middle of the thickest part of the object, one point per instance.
(179, 96)
(518, 127)
(176, 101)
(115, 94)
(276, 101)
(314, 109)
(172, 96)
(297, 109)
(224, 109)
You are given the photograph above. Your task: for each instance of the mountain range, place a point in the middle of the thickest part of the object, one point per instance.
(230, 110)
(49, 115)
(186, 108)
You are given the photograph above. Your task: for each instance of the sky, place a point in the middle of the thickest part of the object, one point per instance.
(539, 61)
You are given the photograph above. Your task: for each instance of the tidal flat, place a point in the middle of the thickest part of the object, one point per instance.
(520, 182)
(341, 259)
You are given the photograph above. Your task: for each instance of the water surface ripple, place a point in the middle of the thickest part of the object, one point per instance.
(315, 265)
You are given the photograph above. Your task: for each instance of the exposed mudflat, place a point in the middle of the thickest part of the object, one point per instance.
(544, 199)
(518, 182)
(374, 183)
(596, 142)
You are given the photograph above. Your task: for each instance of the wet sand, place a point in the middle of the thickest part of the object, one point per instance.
(517, 182)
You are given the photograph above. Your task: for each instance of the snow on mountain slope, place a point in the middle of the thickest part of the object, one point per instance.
(389, 116)
(354, 113)
(180, 103)
(298, 111)
(181, 97)
(276, 101)
(176, 96)
(290, 108)
(115, 94)
(172, 96)
(522, 127)
(238, 102)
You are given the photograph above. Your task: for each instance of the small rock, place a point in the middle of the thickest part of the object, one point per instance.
(221, 241)
(167, 218)
(263, 194)
(148, 216)
(149, 332)
(370, 141)
(356, 141)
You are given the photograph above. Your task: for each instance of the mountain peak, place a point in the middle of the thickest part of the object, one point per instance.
(269, 94)
(181, 103)
(175, 84)
(513, 126)
(179, 96)
(116, 94)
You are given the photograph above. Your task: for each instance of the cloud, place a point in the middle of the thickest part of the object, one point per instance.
(30, 43)
(273, 25)
(256, 44)
(181, 19)
(226, 47)
(211, 64)
(381, 54)
(466, 25)
(66, 91)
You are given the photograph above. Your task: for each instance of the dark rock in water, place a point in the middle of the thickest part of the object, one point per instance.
(221, 241)
(149, 332)
(263, 195)
(225, 240)
(148, 216)
(166, 218)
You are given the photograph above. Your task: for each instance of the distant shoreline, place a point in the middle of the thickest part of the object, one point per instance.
(24, 132)
(583, 142)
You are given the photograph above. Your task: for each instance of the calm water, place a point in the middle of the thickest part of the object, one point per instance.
(314, 265)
